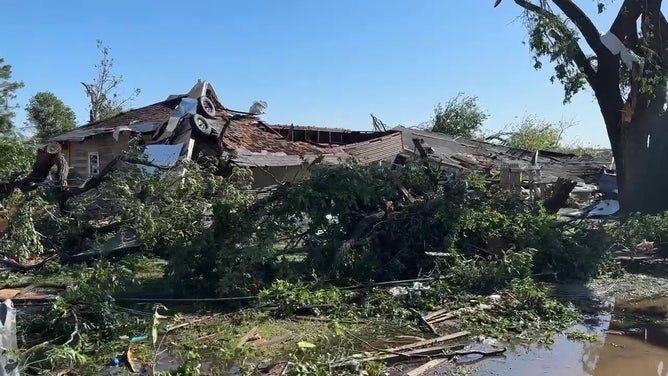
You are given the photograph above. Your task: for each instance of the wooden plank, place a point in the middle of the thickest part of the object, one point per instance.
(429, 342)
(426, 352)
(436, 314)
(411, 346)
(446, 317)
(426, 367)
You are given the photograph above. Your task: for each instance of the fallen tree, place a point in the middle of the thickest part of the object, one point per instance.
(47, 157)
(352, 224)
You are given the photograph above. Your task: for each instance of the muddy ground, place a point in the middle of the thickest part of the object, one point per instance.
(624, 332)
(626, 326)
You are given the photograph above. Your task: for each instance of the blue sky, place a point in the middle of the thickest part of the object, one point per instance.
(327, 63)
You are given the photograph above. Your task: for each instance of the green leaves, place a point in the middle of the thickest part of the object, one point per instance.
(18, 155)
(49, 116)
(22, 239)
(551, 37)
(460, 116)
(291, 296)
(305, 345)
(534, 134)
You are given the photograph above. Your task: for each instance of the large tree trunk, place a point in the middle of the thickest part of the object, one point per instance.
(634, 117)
(641, 152)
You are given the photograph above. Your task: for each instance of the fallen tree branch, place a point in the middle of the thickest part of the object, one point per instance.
(111, 227)
(47, 157)
(76, 329)
(361, 227)
(184, 300)
(429, 352)
(170, 328)
(424, 343)
(14, 266)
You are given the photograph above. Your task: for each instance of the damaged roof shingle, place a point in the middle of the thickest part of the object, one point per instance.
(249, 140)
(251, 135)
(147, 119)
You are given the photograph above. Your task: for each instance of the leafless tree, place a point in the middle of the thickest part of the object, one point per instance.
(105, 102)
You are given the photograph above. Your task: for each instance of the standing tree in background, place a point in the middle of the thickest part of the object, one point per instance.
(7, 95)
(627, 74)
(49, 116)
(534, 134)
(104, 101)
(461, 116)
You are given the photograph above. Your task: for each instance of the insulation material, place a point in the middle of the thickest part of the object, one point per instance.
(8, 365)
(612, 43)
(604, 208)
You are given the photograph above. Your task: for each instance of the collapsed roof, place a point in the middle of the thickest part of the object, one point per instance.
(464, 154)
(247, 139)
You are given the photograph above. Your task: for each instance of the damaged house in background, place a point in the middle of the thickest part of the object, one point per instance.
(197, 125)
(548, 175)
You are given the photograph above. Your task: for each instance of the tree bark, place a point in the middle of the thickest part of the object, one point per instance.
(642, 176)
(635, 125)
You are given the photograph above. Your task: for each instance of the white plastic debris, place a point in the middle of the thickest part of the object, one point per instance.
(8, 365)
(258, 107)
(487, 340)
(398, 290)
(494, 298)
(604, 208)
(403, 290)
(612, 43)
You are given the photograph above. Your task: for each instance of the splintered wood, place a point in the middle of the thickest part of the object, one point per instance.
(425, 349)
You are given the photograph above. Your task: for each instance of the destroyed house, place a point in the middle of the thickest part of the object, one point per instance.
(459, 154)
(196, 125)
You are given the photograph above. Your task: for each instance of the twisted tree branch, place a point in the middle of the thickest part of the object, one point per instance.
(579, 58)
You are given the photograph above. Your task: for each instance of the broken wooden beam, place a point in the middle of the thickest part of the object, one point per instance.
(433, 341)
(435, 314)
(430, 365)
(561, 191)
(419, 344)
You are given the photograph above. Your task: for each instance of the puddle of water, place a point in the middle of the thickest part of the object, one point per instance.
(643, 350)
